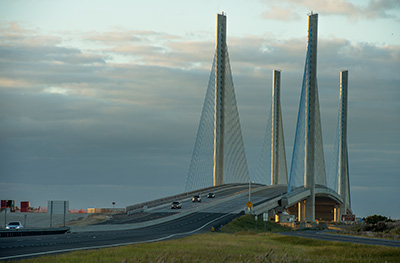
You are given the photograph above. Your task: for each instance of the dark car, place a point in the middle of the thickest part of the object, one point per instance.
(196, 198)
(211, 195)
(176, 205)
(14, 225)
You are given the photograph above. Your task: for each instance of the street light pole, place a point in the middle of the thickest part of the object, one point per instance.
(250, 207)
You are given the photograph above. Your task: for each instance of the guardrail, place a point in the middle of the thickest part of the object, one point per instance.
(33, 231)
(154, 203)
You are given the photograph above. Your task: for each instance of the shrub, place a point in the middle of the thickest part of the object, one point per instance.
(368, 227)
(375, 219)
(380, 227)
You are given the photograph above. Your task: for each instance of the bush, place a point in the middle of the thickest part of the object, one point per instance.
(380, 227)
(368, 227)
(375, 219)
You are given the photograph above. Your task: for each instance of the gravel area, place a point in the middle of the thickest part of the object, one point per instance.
(134, 218)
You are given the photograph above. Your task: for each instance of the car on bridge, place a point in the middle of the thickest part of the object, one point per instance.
(211, 195)
(196, 198)
(14, 225)
(176, 205)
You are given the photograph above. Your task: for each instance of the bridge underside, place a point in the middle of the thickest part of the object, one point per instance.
(325, 208)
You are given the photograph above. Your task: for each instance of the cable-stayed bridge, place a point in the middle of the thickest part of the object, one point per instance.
(219, 165)
(219, 155)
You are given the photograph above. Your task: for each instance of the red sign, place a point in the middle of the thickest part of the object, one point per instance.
(348, 217)
(25, 206)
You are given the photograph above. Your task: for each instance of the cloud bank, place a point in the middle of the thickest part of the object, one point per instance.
(121, 109)
(384, 9)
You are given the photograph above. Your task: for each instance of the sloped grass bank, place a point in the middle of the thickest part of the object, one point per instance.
(223, 247)
(247, 223)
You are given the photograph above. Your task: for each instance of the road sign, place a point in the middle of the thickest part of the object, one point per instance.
(249, 204)
(348, 217)
(265, 216)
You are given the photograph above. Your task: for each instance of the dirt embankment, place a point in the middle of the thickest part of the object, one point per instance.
(89, 220)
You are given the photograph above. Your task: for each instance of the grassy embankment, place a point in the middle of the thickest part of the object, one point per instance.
(238, 241)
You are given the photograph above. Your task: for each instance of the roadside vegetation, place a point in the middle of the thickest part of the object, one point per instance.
(375, 226)
(238, 241)
(248, 224)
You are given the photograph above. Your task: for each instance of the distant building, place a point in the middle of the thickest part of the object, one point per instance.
(8, 204)
(105, 210)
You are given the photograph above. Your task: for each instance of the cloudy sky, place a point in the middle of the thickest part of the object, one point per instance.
(100, 100)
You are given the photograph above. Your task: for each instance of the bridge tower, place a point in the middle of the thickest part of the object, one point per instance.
(218, 156)
(311, 83)
(278, 155)
(308, 164)
(219, 111)
(343, 165)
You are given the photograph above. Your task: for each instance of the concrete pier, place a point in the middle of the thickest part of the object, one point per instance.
(219, 125)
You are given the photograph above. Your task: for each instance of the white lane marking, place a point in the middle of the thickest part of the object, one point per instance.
(113, 245)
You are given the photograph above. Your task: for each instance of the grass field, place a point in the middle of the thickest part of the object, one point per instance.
(244, 245)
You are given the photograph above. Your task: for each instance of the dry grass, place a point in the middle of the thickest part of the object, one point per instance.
(239, 241)
(241, 247)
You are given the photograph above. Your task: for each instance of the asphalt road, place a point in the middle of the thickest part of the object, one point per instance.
(325, 235)
(31, 246)
(202, 221)
(208, 215)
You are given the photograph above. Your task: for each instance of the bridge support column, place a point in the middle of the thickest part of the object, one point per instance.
(278, 155)
(310, 120)
(343, 165)
(310, 209)
(336, 214)
(301, 210)
(219, 125)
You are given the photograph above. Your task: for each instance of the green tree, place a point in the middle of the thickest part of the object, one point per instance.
(375, 219)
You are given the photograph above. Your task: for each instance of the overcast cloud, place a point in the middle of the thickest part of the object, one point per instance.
(354, 10)
(100, 116)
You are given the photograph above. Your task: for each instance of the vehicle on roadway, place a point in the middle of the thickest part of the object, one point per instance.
(211, 195)
(176, 205)
(14, 225)
(196, 198)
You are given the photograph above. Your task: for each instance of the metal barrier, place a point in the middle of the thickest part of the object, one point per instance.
(34, 231)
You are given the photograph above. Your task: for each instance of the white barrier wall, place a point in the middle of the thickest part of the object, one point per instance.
(57, 207)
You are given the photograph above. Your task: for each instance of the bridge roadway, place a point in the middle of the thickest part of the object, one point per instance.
(159, 222)
(193, 218)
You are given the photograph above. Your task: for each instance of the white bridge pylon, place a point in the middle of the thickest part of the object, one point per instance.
(278, 153)
(218, 156)
(308, 163)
